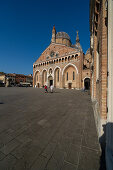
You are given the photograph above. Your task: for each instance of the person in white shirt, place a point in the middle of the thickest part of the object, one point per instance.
(51, 88)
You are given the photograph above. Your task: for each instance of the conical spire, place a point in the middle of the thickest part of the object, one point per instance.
(77, 45)
(54, 30)
(53, 39)
(77, 38)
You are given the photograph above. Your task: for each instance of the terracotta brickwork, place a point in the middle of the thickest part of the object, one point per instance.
(98, 48)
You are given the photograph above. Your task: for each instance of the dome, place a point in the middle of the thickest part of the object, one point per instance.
(63, 35)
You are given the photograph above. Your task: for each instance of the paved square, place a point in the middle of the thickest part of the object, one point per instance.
(47, 131)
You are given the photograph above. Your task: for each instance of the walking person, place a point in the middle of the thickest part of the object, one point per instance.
(51, 88)
(45, 87)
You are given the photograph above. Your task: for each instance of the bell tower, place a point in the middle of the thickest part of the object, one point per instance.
(53, 39)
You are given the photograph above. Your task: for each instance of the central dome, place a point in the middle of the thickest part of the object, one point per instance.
(63, 35)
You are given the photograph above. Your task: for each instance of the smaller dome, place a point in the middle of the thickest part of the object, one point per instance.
(63, 35)
(78, 47)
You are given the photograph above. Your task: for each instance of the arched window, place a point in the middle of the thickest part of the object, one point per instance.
(50, 71)
(45, 76)
(67, 76)
(58, 76)
(73, 75)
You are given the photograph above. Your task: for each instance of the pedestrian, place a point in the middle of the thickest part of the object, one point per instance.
(51, 88)
(45, 87)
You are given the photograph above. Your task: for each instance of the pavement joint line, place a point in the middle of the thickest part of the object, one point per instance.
(90, 148)
(13, 155)
(81, 145)
(69, 163)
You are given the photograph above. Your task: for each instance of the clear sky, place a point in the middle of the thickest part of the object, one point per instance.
(26, 27)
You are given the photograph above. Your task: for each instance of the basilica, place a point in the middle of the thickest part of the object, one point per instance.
(62, 64)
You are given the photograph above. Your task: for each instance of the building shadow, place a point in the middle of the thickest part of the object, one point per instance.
(102, 141)
(1, 103)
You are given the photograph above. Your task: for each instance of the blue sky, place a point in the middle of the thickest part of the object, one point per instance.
(26, 26)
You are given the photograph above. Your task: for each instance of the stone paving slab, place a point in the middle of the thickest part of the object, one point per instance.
(44, 131)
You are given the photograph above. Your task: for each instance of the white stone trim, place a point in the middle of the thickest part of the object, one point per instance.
(69, 64)
(56, 68)
(36, 71)
(84, 79)
(43, 70)
(50, 68)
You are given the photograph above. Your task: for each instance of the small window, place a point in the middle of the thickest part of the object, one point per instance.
(37, 78)
(50, 71)
(58, 76)
(45, 76)
(73, 75)
(67, 76)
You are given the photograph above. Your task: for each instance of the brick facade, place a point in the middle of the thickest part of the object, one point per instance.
(98, 29)
(62, 64)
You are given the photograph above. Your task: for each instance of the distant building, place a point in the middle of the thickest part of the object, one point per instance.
(2, 79)
(29, 79)
(62, 64)
(12, 79)
(20, 78)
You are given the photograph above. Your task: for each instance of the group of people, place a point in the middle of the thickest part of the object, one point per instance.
(46, 89)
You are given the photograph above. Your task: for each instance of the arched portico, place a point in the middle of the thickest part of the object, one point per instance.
(37, 78)
(57, 78)
(70, 77)
(70, 64)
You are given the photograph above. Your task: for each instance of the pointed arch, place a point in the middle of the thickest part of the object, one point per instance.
(56, 68)
(37, 78)
(69, 64)
(57, 76)
(44, 76)
(36, 72)
(43, 70)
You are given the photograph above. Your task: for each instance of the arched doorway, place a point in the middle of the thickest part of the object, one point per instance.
(50, 80)
(87, 83)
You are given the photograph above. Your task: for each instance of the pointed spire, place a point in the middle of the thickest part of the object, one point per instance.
(53, 39)
(77, 38)
(54, 30)
(77, 45)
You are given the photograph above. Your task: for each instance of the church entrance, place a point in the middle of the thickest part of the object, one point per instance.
(69, 85)
(87, 83)
(50, 80)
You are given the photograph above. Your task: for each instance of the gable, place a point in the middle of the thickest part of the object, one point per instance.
(55, 51)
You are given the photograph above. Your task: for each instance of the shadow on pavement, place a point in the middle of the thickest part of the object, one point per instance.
(1, 103)
(102, 141)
